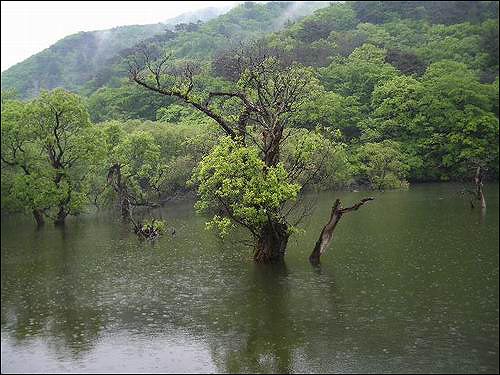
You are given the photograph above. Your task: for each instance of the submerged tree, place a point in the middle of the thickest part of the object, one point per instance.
(478, 180)
(238, 188)
(326, 235)
(20, 162)
(476, 195)
(243, 179)
(51, 148)
(136, 171)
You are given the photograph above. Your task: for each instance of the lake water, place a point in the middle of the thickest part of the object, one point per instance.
(409, 284)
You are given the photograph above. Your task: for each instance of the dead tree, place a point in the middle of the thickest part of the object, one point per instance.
(476, 194)
(478, 180)
(325, 238)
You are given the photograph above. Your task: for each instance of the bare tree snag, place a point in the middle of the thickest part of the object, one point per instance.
(325, 238)
(478, 179)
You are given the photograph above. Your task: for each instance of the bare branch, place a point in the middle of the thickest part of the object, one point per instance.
(326, 235)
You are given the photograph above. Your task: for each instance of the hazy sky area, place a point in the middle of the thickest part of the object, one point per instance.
(29, 27)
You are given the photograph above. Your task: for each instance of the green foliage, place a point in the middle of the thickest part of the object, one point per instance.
(441, 12)
(317, 159)
(156, 158)
(447, 119)
(461, 42)
(9, 94)
(141, 164)
(457, 123)
(49, 152)
(331, 110)
(394, 104)
(471, 44)
(176, 113)
(358, 74)
(124, 102)
(383, 164)
(154, 225)
(489, 41)
(336, 17)
(236, 188)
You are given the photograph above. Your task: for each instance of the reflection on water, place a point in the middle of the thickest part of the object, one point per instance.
(410, 284)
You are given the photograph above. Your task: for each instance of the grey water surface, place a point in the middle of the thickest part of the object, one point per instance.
(410, 284)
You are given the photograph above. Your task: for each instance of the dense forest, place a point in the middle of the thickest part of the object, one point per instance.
(252, 108)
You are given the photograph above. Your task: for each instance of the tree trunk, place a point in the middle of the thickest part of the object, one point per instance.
(121, 189)
(326, 236)
(326, 233)
(125, 205)
(272, 240)
(271, 140)
(61, 216)
(478, 179)
(39, 217)
(271, 244)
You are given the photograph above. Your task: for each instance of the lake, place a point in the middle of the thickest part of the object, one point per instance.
(409, 284)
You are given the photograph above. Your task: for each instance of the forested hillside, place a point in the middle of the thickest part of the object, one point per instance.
(86, 61)
(356, 95)
(76, 59)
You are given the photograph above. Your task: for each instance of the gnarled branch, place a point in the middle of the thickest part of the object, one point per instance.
(325, 238)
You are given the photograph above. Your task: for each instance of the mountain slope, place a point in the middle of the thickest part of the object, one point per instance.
(75, 59)
(85, 60)
(72, 61)
(410, 38)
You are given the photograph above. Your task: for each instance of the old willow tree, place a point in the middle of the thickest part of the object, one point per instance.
(48, 151)
(242, 181)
